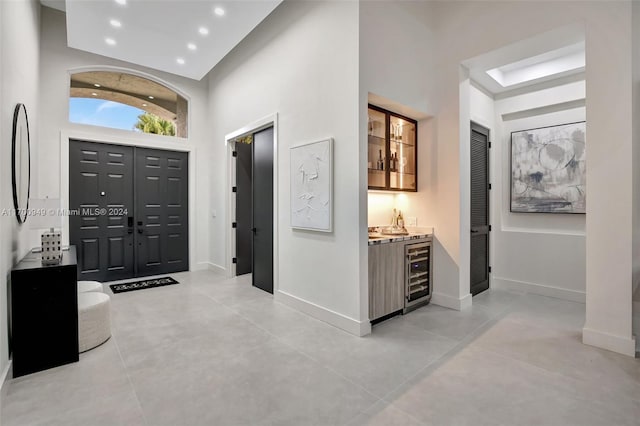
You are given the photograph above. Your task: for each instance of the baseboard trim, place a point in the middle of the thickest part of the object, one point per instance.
(3, 380)
(542, 290)
(343, 322)
(211, 267)
(451, 302)
(619, 344)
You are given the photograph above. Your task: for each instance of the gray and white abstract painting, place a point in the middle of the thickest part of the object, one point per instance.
(311, 186)
(548, 169)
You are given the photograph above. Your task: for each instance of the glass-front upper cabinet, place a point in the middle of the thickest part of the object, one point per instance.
(392, 151)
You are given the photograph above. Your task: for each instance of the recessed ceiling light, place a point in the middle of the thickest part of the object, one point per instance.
(96, 84)
(94, 94)
(110, 41)
(204, 31)
(180, 61)
(150, 97)
(122, 2)
(144, 105)
(218, 11)
(115, 23)
(191, 46)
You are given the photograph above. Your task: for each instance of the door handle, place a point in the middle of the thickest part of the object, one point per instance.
(254, 230)
(474, 231)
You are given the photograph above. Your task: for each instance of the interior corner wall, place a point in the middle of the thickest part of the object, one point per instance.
(636, 170)
(397, 64)
(19, 57)
(56, 62)
(301, 62)
(538, 253)
(607, 27)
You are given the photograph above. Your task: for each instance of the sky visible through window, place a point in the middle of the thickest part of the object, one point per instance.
(98, 112)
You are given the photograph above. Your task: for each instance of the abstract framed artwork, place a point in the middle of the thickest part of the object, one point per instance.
(312, 186)
(548, 169)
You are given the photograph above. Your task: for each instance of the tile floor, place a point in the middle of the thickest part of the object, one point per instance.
(214, 351)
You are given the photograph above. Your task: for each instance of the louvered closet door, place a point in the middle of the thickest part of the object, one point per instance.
(479, 209)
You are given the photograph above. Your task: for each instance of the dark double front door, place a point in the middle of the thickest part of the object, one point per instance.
(129, 210)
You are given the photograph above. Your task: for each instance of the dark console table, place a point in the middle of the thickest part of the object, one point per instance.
(43, 313)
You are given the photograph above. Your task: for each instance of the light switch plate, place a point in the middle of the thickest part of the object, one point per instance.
(412, 221)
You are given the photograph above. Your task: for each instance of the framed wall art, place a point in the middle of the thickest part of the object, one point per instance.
(548, 169)
(312, 186)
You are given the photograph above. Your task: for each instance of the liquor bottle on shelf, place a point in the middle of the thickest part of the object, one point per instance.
(380, 161)
(393, 132)
(400, 219)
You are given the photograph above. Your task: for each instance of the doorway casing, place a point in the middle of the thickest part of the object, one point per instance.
(66, 135)
(261, 124)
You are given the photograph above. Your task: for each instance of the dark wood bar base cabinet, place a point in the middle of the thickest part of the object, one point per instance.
(43, 313)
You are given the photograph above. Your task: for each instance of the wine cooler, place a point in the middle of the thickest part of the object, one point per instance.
(418, 275)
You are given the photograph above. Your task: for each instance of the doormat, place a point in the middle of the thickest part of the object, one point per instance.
(141, 285)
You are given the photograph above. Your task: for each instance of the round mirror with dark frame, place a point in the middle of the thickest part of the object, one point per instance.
(21, 166)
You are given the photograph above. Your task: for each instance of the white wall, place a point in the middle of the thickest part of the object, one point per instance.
(396, 72)
(636, 170)
(609, 173)
(57, 61)
(19, 50)
(538, 253)
(301, 63)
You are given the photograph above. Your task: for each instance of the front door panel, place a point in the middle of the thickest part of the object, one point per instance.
(101, 192)
(162, 222)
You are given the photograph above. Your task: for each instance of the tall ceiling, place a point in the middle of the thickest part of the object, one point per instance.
(183, 37)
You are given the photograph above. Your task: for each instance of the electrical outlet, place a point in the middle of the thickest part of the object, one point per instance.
(412, 221)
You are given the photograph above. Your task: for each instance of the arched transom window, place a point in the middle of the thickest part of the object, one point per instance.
(126, 101)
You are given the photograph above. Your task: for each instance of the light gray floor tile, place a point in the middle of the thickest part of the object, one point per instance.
(496, 302)
(276, 318)
(235, 291)
(548, 311)
(562, 351)
(477, 387)
(448, 322)
(384, 414)
(216, 351)
(380, 362)
(255, 387)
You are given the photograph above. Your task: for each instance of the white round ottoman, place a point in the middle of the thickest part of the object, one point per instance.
(88, 286)
(94, 319)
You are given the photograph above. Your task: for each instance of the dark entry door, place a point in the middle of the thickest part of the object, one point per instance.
(479, 209)
(244, 210)
(161, 188)
(101, 192)
(263, 210)
(132, 206)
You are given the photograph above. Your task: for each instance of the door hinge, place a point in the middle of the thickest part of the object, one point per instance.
(234, 189)
(234, 153)
(234, 260)
(489, 187)
(234, 224)
(489, 228)
(489, 269)
(489, 145)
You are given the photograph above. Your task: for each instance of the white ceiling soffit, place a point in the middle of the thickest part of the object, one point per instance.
(183, 37)
(546, 57)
